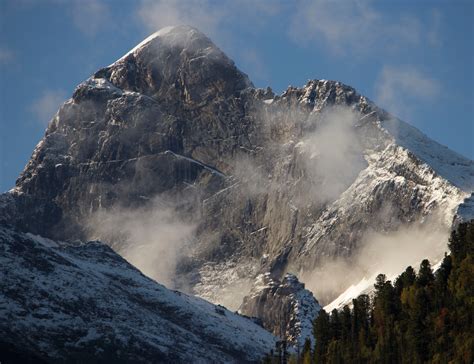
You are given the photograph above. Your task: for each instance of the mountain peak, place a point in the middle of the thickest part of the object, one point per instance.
(179, 61)
(179, 35)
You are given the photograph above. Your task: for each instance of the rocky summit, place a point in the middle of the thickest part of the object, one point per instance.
(174, 159)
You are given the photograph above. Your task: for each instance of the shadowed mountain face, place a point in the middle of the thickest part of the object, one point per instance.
(173, 158)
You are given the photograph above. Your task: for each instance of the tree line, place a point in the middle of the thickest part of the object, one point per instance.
(421, 317)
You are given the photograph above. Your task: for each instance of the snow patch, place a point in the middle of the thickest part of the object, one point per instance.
(160, 33)
(448, 164)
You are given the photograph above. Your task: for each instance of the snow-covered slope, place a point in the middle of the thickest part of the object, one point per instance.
(365, 286)
(80, 302)
(345, 298)
(448, 164)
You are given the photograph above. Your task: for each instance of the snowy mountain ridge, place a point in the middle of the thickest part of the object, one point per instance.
(446, 163)
(61, 302)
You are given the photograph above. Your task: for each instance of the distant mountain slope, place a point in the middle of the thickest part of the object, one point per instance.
(84, 303)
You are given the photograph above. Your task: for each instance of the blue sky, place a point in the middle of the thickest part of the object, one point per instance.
(415, 58)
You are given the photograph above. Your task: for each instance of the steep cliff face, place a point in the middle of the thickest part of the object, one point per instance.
(82, 302)
(123, 134)
(285, 307)
(269, 182)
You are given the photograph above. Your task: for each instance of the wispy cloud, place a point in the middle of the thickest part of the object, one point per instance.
(398, 88)
(434, 31)
(353, 27)
(6, 56)
(253, 60)
(198, 13)
(380, 252)
(216, 19)
(153, 237)
(211, 17)
(47, 104)
(89, 16)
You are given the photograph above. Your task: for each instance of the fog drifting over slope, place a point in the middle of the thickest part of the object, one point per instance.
(388, 253)
(329, 149)
(333, 153)
(152, 237)
(333, 156)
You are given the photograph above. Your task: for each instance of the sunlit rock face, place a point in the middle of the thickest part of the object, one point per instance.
(259, 182)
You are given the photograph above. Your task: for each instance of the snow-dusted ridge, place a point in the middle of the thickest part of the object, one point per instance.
(162, 33)
(83, 302)
(355, 290)
(365, 286)
(144, 42)
(448, 164)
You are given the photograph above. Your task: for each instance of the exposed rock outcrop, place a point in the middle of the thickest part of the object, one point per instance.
(285, 307)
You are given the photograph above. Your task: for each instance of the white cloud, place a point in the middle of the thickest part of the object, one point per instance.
(89, 16)
(353, 27)
(198, 13)
(47, 104)
(434, 33)
(380, 252)
(253, 60)
(6, 55)
(398, 88)
(211, 17)
(216, 19)
(153, 237)
(332, 154)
